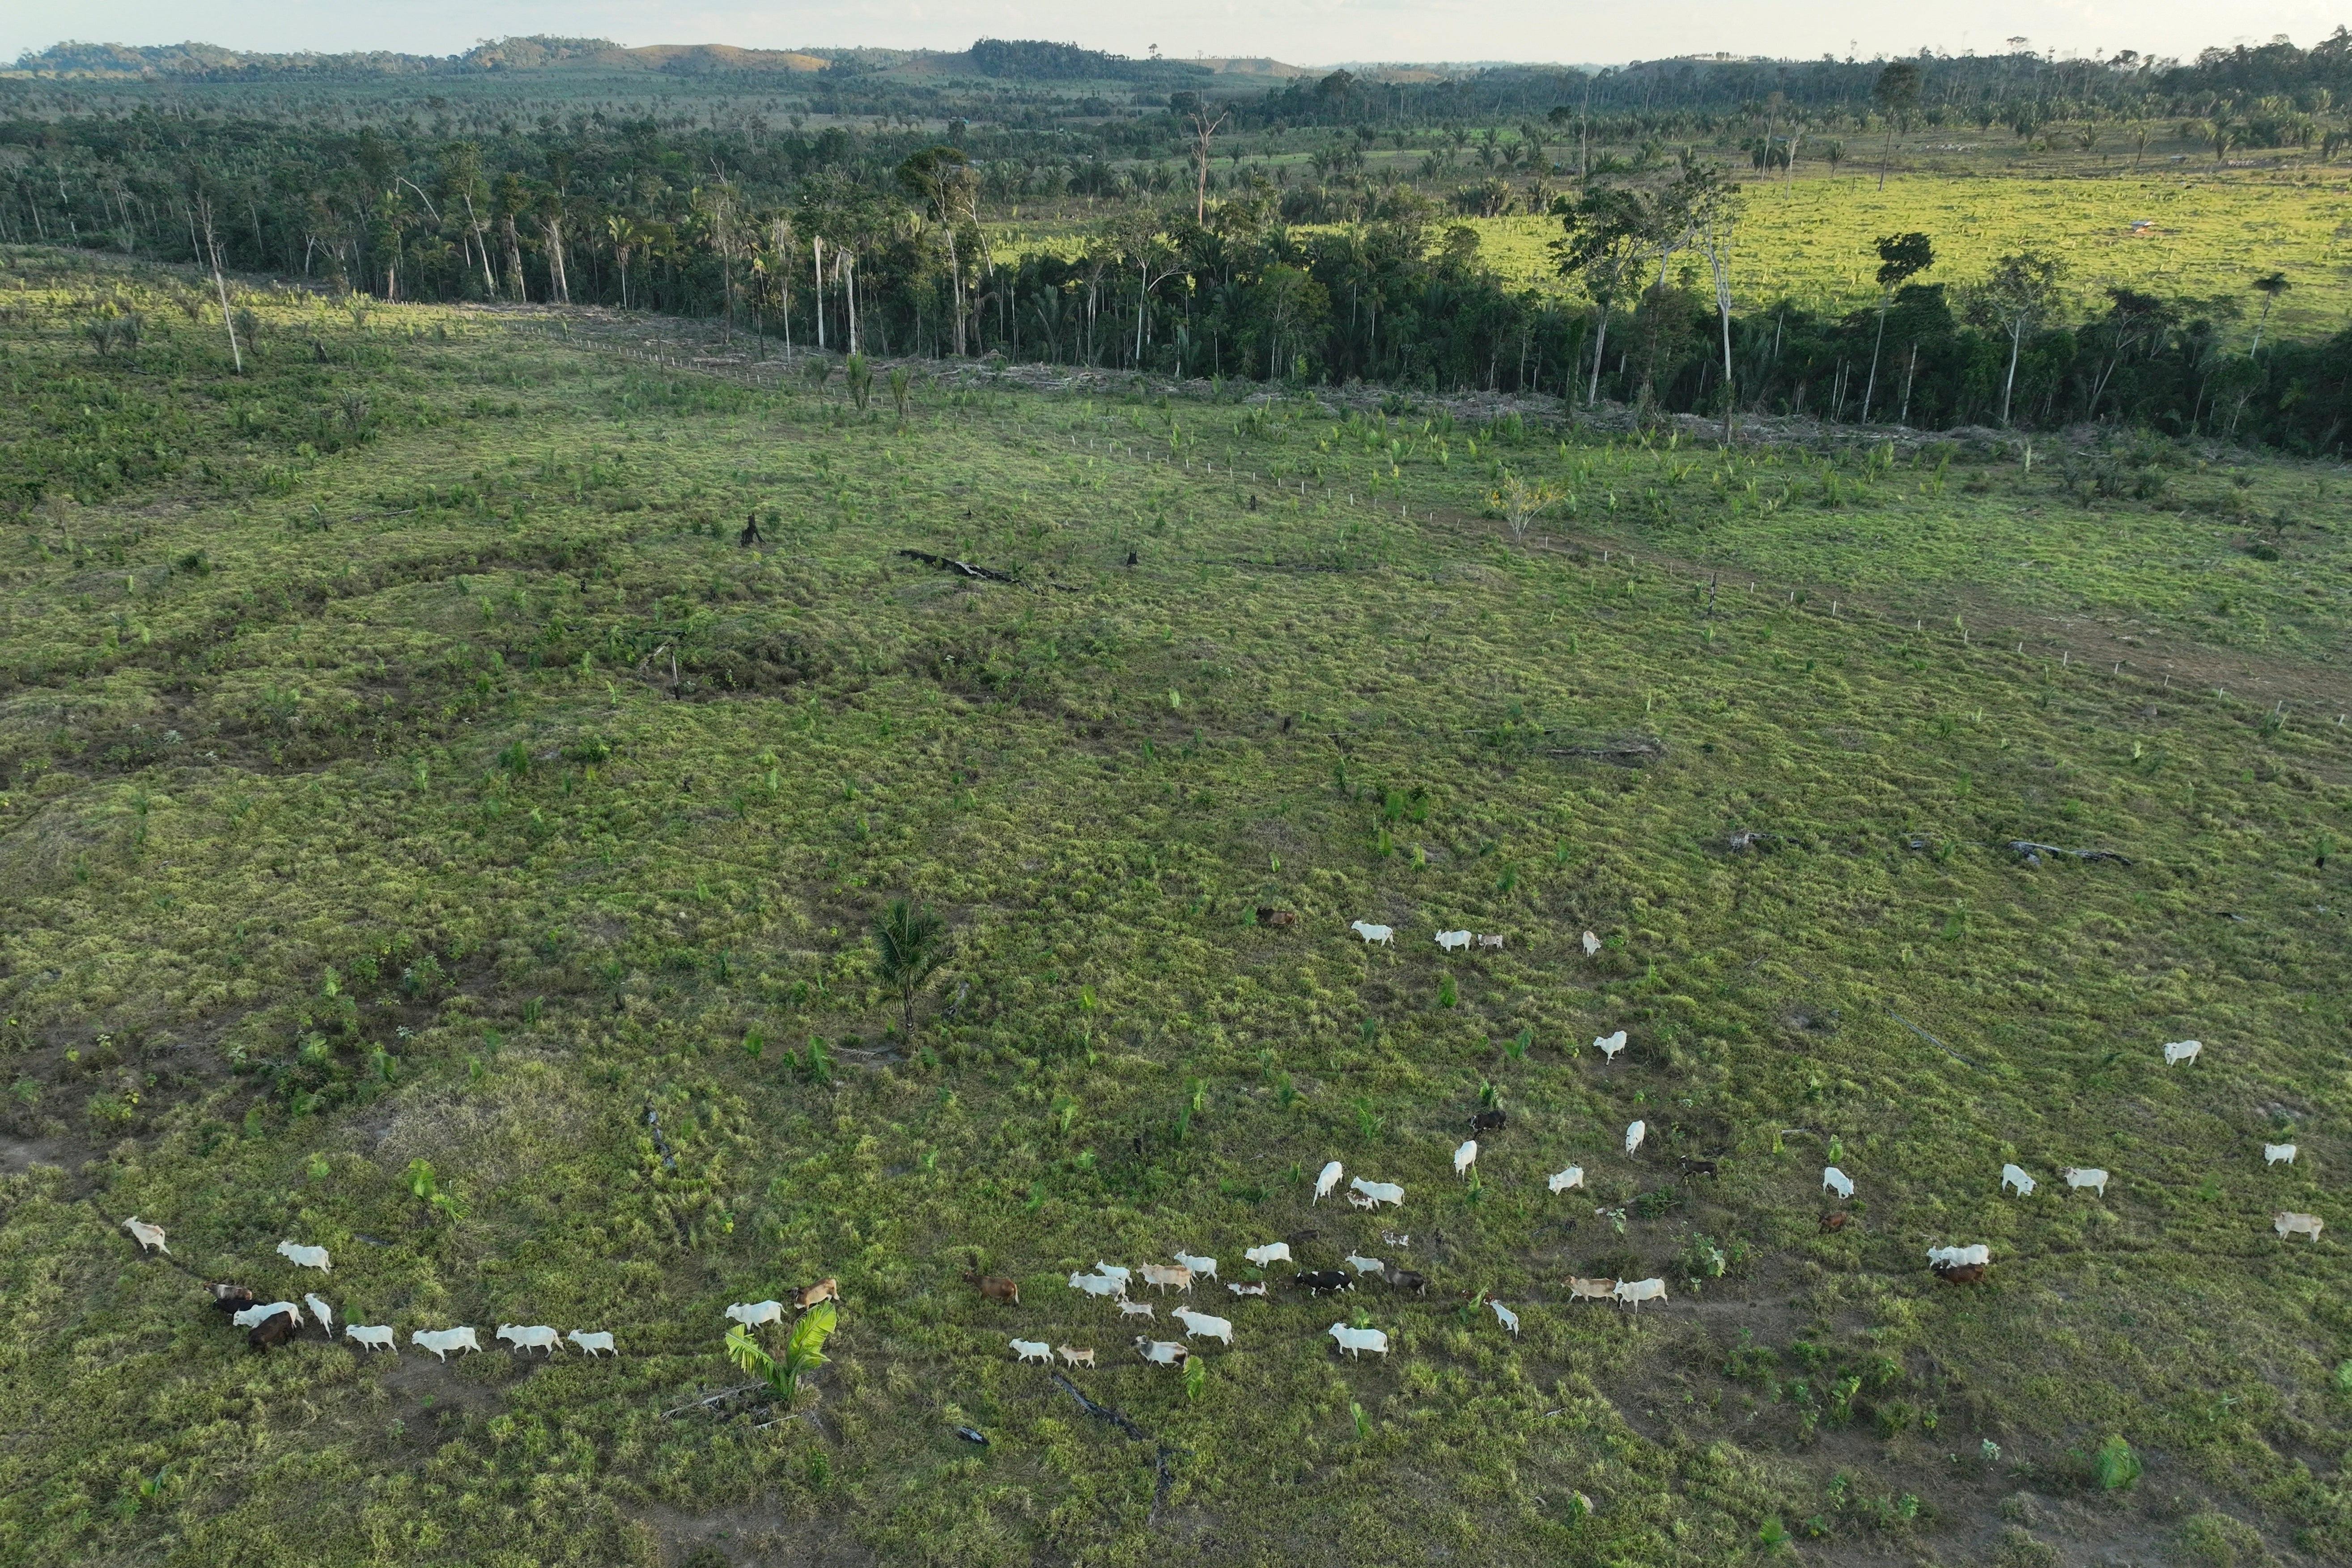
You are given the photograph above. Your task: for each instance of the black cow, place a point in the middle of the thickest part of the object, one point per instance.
(1326, 1281)
(274, 1328)
(1487, 1121)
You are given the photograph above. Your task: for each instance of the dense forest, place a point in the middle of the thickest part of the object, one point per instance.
(1343, 263)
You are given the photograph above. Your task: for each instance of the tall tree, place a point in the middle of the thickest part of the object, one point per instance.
(2022, 290)
(1896, 94)
(1901, 258)
(2270, 288)
(1605, 238)
(942, 180)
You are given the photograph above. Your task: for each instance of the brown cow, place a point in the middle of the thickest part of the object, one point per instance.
(274, 1328)
(826, 1290)
(1405, 1279)
(1836, 1219)
(1582, 1290)
(1269, 916)
(231, 1299)
(1960, 1273)
(996, 1287)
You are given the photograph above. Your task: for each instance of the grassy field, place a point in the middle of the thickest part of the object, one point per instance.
(401, 762)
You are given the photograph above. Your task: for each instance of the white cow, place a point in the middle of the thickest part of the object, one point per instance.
(1243, 1289)
(148, 1237)
(1450, 940)
(1837, 1181)
(1202, 1323)
(1960, 1256)
(320, 1310)
(1609, 1045)
(1137, 1310)
(1160, 1276)
(1325, 1182)
(535, 1337)
(2277, 1153)
(2292, 1224)
(1162, 1352)
(1466, 1156)
(1111, 1270)
(1099, 1284)
(1592, 945)
(1491, 939)
(1384, 935)
(2079, 1179)
(1271, 1253)
(2180, 1050)
(2015, 1177)
(1363, 1266)
(1355, 1342)
(1505, 1316)
(1358, 1200)
(441, 1342)
(375, 1336)
(1034, 1350)
(751, 1314)
(1636, 1292)
(1562, 1180)
(1203, 1268)
(304, 1257)
(593, 1343)
(1634, 1133)
(254, 1315)
(1379, 1191)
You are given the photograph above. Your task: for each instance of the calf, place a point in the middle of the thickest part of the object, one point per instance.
(1271, 1252)
(996, 1287)
(1405, 1279)
(533, 1337)
(1073, 1356)
(1099, 1284)
(1692, 1167)
(1837, 1181)
(1362, 1201)
(1257, 1288)
(148, 1237)
(1580, 1290)
(1357, 1340)
(1383, 934)
(1269, 916)
(1486, 1122)
(1137, 1310)
(1505, 1316)
(2180, 1050)
(1379, 1191)
(2292, 1224)
(1034, 1350)
(1634, 1133)
(2013, 1176)
(1489, 940)
(593, 1344)
(1160, 1276)
(1363, 1265)
(1326, 1181)
(1203, 1268)
(1591, 946)
(320, 1310)
(1561, 1181)
(304, 1256)
(2275, 1154)
(1609, 1045)
(1466, 1156)
(252, 1317)
(826, 1290)
(1836, 1219)
(1322, 1280)
(373, 1336)
(1960, 1273)
(1162, 1352)
(274, 1328)
(231, 1298)
(2078, 1180)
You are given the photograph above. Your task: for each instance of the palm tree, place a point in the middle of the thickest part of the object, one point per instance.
(913, 944)
(627, 238)
(2270, 288)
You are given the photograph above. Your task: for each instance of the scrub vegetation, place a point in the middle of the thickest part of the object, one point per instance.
(427, 832)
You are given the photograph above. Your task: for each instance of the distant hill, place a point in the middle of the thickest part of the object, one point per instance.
(536, 53)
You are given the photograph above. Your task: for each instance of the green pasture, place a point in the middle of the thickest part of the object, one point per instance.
(427, 832)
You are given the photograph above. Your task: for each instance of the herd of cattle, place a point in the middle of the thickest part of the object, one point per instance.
(275, 1323)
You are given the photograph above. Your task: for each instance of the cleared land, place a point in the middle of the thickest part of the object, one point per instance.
(404, 761)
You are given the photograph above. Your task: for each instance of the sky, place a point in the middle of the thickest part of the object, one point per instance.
(1304, 32)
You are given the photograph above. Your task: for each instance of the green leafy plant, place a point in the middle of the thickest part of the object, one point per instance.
(2115, 1465)
(912, 943)
(804, 1353)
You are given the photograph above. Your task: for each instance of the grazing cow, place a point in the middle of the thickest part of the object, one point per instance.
(1112, 1272)
(320, 1310)
(1160, 1276)
(2078, 1179)
(2292, 1224)
(1505, 1316)
(1363, 1266)
(2276, 1153)
(1359, 1200)
(274, 1328)
(1692, 1167)
(1325, 1181)
(1634, 1133)
(826, 1290)
(591, 1344)
(1836, 1219)
(1636, 1292)
(535, 1337)
(1162, 1352)
(148, 1237)
(1450, 940)
(1355, 1342)
(1405, 1279)
(1487, 1121)
(1321, 1280)
(1379, 1191)
(1384, 935)
(2012, 1176)
(1034, 1350)
(304, 1257)
(1562, 1180)
(1960, 1273)
(1099, 1284)
(1609, 1045)
(1073, 1356)
(1494, 941)
(2180, 1050)
(1137, 1310)
(1581, 1290)
(1202, 1323)
(1269, 916)
(1271, 1253)
(994, 1287)
(1591, 946)
(1466, 1156)
(1960, 1256)
(1203, 1268)
(231, 1298)
(254, 1316)
(1837, 1181)
(751, 1314)
(373, 1336)
(441, 1342)
(1247, 1287)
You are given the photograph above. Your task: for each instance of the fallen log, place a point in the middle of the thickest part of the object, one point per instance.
(1629, 750)
(960, 567)
(2027, 849)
